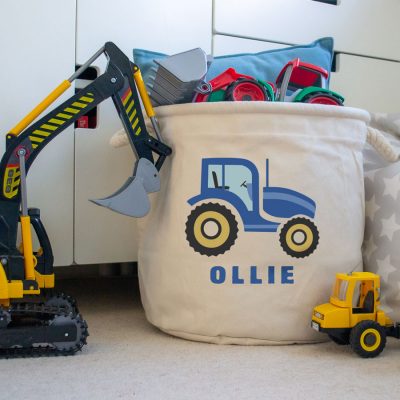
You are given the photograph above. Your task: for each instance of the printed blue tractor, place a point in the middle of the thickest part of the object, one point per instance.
(212, 229)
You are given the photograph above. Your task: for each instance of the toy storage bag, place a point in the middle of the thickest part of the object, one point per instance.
(261, 204)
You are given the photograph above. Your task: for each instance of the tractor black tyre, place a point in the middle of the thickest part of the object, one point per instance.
(230, 94)
(368, 339)
(315, 98)
(340, 341)
(310, 234)
(222, 240)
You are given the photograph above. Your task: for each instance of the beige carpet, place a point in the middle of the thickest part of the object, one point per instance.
(127, 358)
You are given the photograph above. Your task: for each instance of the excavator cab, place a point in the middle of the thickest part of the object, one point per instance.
(353, 315)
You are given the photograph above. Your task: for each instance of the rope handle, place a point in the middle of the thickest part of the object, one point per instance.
(379, 142)
(374, 137)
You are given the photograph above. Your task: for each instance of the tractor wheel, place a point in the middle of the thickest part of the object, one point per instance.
(246, 90)
(299, 237)
(322, 98)
(211, 229)
(368, 339)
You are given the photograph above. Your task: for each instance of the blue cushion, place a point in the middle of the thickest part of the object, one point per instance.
(265, 65)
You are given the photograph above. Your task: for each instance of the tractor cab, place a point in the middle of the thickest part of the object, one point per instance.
(237, 181)
(307, 83)
(233, 180)
(237, 178)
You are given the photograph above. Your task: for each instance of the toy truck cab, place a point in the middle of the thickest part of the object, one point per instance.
(353, 315)
(306, 83)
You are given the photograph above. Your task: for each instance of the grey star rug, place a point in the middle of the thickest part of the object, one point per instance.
(381, 248)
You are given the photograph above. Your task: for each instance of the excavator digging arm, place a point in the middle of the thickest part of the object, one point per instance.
(117, 82)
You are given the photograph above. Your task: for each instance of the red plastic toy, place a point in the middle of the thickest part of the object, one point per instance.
(232, 86)
(306, 83)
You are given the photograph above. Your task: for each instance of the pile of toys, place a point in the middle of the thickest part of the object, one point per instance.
(181, 79)
(35, 320)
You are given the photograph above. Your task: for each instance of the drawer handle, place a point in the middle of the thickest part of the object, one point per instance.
(331, 2)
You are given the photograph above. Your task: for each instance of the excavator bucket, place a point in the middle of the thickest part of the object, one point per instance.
(132, 198)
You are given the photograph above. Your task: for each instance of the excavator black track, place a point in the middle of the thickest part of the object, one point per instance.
(35, 329)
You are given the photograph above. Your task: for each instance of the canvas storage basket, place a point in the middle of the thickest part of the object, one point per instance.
(261, 204)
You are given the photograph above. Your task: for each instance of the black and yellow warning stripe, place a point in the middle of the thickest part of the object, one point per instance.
(129, 105)
(12, 178)
(51, 126)
(55, 122)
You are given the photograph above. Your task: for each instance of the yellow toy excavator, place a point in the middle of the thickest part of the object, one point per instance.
(34, 320)
(353, 315)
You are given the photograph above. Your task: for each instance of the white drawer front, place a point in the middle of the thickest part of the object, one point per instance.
(155, 25)
(36, 60)
(224, 45)
(368, 27)
(367, 83)
(101, 235)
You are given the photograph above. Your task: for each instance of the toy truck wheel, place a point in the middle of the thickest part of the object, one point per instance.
(322, 98)
(368, 339)
(246, 90)
(299, 237)
(211, 229)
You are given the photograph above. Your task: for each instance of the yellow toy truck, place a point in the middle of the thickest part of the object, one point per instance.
(353, 316)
